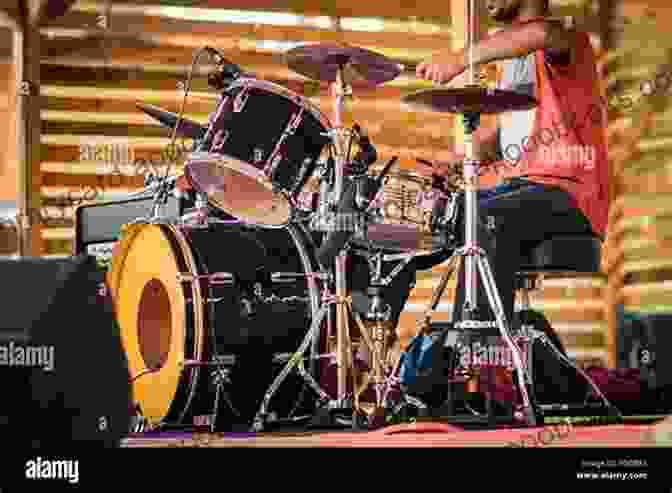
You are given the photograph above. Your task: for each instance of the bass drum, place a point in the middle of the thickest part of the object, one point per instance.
(174, 323)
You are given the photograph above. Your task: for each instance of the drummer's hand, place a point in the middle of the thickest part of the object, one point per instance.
(441, 68)
(439, 168)
(182, 184)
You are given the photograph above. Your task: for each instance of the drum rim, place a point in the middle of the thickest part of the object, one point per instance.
(245, 169)
(189, 376)
(199, 315)
(288, 94)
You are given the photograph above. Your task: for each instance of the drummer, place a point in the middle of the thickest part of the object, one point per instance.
(550, 162)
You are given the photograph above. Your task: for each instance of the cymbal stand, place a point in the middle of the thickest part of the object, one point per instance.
(341, 138)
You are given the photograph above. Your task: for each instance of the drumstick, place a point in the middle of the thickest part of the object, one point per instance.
(411, 68)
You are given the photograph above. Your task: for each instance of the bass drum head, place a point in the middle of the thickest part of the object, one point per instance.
(151, 311)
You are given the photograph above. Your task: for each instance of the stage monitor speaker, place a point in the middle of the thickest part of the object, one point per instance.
(644, 342)
(65, 378)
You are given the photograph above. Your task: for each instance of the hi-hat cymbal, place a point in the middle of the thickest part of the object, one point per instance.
(470, 99)
(188, 128)
(321, 62)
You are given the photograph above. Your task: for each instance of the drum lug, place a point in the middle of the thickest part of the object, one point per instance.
(196, 218)
(241, 100)
(224, 360)
(209, 300)
(294, 123)
(221, 137)
(258, 155)
(215, 278)
(272, 166)
(276, 155)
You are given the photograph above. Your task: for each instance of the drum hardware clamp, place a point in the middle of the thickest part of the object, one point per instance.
(222, 278)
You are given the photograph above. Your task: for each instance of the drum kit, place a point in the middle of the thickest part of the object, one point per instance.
(280, 204)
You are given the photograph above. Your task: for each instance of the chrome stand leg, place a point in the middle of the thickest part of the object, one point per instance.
(540, 336)
(343, 345)
(260, 418)
(220, 380)
(495, 302)
(302, 240)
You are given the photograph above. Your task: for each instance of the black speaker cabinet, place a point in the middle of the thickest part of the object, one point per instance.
(65, 377)
(644, 342)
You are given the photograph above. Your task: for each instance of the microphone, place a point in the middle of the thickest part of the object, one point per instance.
(365, 157)
(367, 154)
(219, 58)
(226, 71)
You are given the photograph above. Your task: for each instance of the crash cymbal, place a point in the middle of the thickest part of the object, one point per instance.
(474, 99)
(321, 62)
(188, 128)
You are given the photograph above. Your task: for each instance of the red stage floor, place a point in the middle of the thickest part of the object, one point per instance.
(414, 436)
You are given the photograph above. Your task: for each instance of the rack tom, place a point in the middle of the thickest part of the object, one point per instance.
(262, 145)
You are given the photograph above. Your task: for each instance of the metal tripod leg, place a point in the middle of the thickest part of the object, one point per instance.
(221, 380)
(295, 360)
(540, 336)
(495, 302)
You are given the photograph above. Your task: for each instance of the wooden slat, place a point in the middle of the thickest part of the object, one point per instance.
(134, 52)
(6, 42)
(10, 14)
(8, 177)
(346, 8)
(659, 182)
(63, 180)
(638, 296)
(223, 34)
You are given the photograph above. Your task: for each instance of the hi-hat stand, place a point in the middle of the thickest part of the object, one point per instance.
(477, 268)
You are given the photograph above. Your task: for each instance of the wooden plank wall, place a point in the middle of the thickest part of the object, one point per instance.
(91, 82)
(638, 262)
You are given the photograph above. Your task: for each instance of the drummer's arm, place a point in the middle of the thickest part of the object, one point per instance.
(521, 40)
(486, 143)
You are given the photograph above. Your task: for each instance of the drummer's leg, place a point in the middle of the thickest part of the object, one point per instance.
(524, 215)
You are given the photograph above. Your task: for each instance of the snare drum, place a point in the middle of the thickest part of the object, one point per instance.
(401, 218)
(262, 145)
